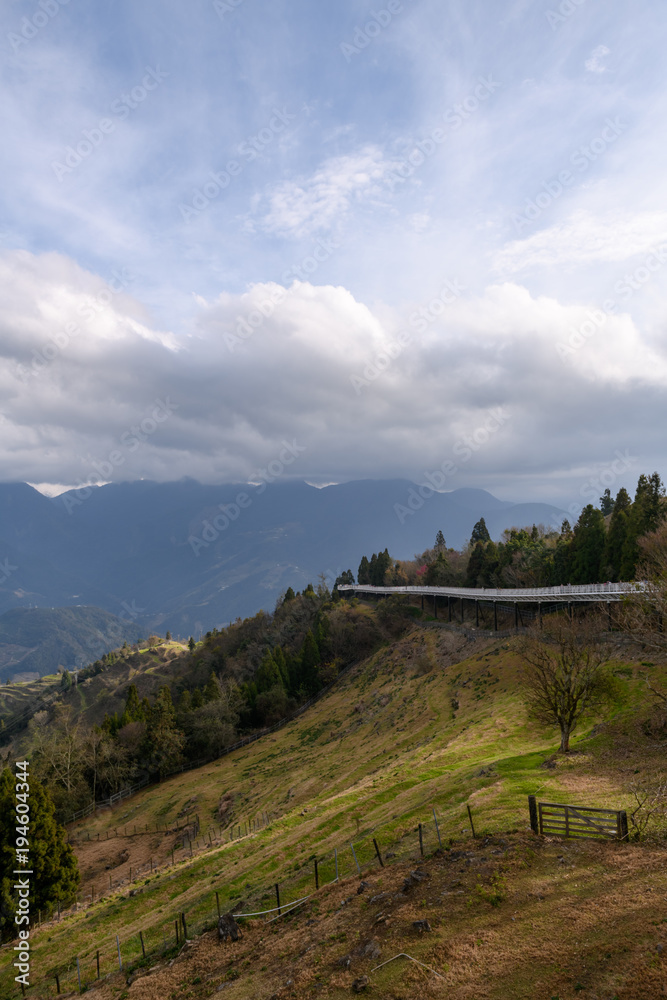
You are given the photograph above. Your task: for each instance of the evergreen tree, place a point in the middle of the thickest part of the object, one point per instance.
(475, 565)
(134, 711)
(289, 595)
(480, 532)
(197, 698)
(191, 644)
(168, 636)
(440, 541)
(212, 690)
(163, 743)
(66, 680)
(617, 535)
(606, 503)
(268, 675)
(364, 571)
(283, 666)
(309, 662)
(345, 579)
(55, 873)
(646, 514)
(588, 546)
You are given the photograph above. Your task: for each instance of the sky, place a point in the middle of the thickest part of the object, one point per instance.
(416, 238)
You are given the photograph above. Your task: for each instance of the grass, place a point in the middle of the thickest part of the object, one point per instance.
(372, 759)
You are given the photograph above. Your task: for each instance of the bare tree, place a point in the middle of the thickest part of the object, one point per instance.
(649, 798)
(563, 672)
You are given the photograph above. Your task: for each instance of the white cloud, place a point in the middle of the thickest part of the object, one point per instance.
(236, 390)
(584, 238)
(297, 208)
(594, 64)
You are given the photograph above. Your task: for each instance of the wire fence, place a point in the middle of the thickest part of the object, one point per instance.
(369, 852)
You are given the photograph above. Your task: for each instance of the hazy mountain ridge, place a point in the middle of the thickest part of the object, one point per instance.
(38, 640)
(187, 557)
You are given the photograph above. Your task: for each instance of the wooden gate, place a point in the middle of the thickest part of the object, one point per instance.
(583, 822)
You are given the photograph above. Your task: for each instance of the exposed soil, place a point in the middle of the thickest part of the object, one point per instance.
(506, 918)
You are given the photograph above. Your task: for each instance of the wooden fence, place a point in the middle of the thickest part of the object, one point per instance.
(582, 822)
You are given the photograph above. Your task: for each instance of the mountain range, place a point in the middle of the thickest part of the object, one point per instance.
(187, 557)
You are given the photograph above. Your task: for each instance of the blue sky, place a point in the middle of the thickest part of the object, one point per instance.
(363, 227)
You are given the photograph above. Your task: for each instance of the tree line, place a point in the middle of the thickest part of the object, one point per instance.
(236, 680)
(603, 545)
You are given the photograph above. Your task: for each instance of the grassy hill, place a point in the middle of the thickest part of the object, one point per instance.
(433, 720)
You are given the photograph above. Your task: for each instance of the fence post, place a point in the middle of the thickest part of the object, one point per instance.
(623, 824)
(472, 825)
(377, 851)
(336, 861)
(185, 927)
(437, 828)
(120, 960)
(98, 963)
(421, 841)
(532, 809)
(217, 900)
(278, 898)
(355, 858)
(57, 984)
(176, 928)
(317, 878)
(143, 949)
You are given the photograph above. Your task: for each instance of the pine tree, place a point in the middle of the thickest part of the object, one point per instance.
(282, 664)
(55, 873)
(480, 532)
(617, 535)
(289, 595)
(364, 571)
(475, 566)
(191, 644)
(268, 675)
(310, 660)
(212, 690)
(646, 514)
(134, 711)
(163, 743)
(440, 541)
(66, 680)
(606, 503)
(588, 546)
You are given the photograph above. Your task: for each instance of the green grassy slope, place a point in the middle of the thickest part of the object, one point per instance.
(372, 758)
